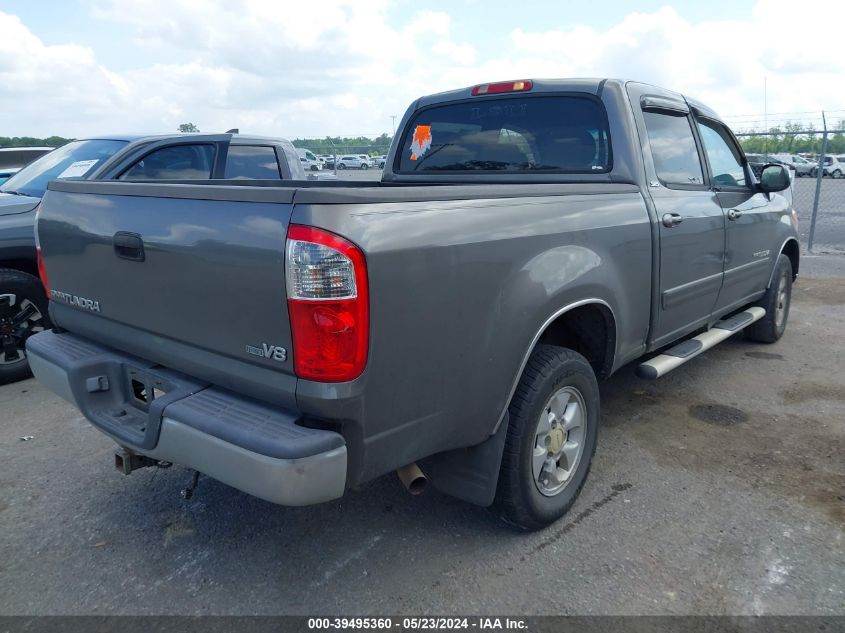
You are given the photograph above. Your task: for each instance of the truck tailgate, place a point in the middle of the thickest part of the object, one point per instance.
(189, 277)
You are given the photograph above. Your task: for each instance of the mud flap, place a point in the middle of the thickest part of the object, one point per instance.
(470, 474)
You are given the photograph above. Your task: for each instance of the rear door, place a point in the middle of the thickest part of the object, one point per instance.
(751, 217)
(690, 221)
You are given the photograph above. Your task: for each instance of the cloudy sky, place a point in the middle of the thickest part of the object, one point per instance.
(343, 67)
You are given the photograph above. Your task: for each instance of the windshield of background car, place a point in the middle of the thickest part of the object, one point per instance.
(552, 134)
(77, 159)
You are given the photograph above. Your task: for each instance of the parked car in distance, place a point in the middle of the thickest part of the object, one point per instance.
(801, 165)
(380, 161)
(13, 159)
(353, 162)
(284, 340)
(833, 166)
(309, 160)
(185, 157)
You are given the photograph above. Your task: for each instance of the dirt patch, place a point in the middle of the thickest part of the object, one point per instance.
(718, 414)
(805, 391)
(829, 292)
(764, 355)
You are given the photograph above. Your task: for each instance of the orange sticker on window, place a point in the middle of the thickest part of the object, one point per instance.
(421, 141)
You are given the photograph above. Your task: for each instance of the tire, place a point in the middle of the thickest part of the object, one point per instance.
(21, 294)
(522, 498)
(315, 168)
(364, 166)
(341, 166)
(776, 302)
(837, 173)
(814, 173)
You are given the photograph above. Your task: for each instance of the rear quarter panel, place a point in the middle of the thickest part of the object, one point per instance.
(459, 289)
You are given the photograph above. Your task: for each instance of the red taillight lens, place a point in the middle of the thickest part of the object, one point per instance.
(328, 305)
(506, 86)
(42, 269)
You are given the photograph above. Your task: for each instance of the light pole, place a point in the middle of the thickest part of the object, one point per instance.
(393, 118)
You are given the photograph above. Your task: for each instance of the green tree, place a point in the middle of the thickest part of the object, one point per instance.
(188, 127)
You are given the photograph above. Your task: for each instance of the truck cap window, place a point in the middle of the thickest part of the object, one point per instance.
(557, 134)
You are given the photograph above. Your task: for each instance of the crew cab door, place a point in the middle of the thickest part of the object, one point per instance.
(193, 157)
(751, 217)
(690, 221)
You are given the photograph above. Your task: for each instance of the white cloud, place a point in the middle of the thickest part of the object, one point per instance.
(342, 67)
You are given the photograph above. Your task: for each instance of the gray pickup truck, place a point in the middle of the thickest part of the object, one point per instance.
(449, 322)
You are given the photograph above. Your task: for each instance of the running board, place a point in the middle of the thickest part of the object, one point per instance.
(682, 352)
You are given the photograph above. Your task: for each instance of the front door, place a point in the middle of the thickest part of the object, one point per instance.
(751, 218)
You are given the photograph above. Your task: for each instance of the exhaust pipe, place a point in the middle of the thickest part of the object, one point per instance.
(412, 478)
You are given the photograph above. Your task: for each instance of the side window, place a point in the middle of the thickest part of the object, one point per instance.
(673, 148)
(724, 158)
(175, 162)
(252, 162)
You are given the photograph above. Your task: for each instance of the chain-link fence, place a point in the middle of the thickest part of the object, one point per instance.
(818, 197)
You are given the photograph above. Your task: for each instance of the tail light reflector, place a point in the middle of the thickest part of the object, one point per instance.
(328, 305)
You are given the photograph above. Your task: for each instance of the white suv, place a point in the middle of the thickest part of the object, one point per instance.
(834, 166)
(353, 162)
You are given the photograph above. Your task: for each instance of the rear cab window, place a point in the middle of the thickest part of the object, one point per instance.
(525, 133)
(174, 162)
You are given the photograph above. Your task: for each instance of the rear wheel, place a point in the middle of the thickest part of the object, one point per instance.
(23, 312)
(837, 173)
(341, 166)
(551, 438)
(364, 166)
(776, 302)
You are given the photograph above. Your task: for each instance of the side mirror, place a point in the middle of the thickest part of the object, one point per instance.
(774, 178)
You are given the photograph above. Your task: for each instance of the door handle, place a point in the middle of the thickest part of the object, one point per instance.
(129, 246)
(733, 214)
(671, 220)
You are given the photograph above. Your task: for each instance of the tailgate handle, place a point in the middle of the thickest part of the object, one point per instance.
(129, 246)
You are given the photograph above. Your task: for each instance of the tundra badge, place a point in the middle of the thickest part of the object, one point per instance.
(79, 302)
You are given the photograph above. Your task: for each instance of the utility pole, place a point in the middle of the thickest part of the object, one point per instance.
(765, 117)
(393, 118)
(819, 176)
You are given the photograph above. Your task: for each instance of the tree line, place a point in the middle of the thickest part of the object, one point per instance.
(329, 145)
(31, 141)
(793, 138)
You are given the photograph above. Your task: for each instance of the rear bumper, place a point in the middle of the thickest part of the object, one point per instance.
(153, 411)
